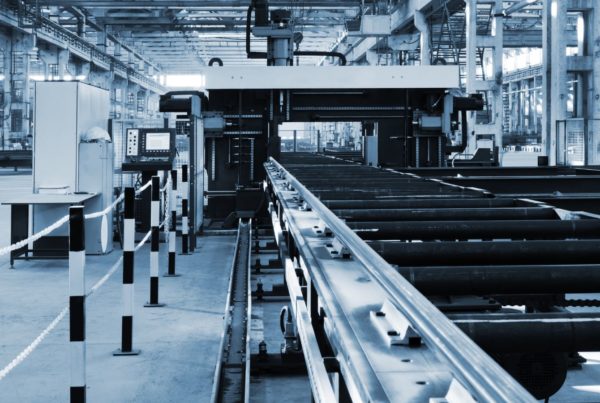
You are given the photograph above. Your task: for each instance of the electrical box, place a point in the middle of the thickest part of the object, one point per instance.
(64, 112)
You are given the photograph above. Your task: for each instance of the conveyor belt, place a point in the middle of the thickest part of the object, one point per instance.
(448, 241)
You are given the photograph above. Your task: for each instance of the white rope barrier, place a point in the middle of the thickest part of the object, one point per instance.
(146, 186)
(107, 210)
(34, 237)
(31, 347)
(36, 342)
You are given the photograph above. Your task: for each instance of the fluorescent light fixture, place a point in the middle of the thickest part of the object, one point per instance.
(81, 77)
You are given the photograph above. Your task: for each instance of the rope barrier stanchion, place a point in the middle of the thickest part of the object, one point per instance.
(154, 243)
(185, 225)
(128, 266)
(173, 227)
(77, 303)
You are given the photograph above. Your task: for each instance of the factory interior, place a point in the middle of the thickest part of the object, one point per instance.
(300, 201)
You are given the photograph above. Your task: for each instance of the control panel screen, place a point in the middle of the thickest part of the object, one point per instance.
(158, 141)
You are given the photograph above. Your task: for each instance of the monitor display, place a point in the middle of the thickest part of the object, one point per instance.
(158, 141)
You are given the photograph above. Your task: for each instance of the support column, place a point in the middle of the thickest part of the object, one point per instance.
(63, 64)
(592, 40)
(555, 85)
(7, 88)
(471, 66)
(21, 49)
(130, 108)
(425, 41)
(497, 79)
(101, 40)
(492, 85)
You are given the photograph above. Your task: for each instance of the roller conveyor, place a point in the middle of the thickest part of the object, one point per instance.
(458, 245)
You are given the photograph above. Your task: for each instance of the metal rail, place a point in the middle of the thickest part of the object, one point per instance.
(478, 372)
(231, 381)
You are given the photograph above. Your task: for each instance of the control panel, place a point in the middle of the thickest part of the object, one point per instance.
(150, 145)
(133, 136)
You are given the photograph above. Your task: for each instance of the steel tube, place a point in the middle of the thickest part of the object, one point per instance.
(379, 194)
(518, 279)
(479, 253)
(490, 229)
(453, 214)
(418, 203)
(537, 333)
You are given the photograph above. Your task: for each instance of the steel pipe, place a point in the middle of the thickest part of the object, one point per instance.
(518, 279)
(480, 253)
(336, 196)
(418, 203)
(514, 213)
(490, 229)
(532, 333)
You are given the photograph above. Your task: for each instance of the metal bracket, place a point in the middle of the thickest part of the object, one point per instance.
(321, 229)
(304, 206)
(456, 394)
(394, 327)
(338, 250)
(299, 199)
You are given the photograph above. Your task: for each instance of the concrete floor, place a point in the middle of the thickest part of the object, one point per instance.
(179, 342)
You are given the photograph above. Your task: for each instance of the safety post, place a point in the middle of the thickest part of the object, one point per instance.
(128, 265)
(173, 228)
(185, 225)
(154, 243)
(77, 303)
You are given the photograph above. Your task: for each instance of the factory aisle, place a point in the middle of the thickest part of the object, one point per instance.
(179, 342)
